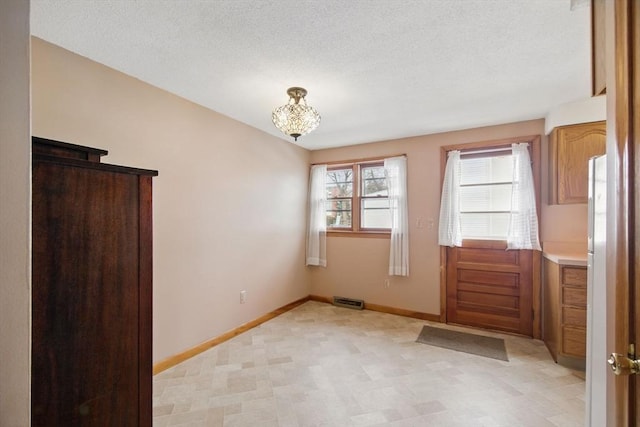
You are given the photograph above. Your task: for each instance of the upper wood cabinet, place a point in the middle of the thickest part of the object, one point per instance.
(598, 69)
(570, 148)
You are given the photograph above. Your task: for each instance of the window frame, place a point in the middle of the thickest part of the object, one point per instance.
(356, 229)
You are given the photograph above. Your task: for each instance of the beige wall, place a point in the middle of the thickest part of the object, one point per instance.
(357, 267)
(229, 203)
(15, 200)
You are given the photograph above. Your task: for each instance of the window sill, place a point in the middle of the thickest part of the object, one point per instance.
(366, 234)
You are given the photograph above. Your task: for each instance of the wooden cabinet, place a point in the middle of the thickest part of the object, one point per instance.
(565, 313)
(598, 43)
(91, 303)
(570, 148)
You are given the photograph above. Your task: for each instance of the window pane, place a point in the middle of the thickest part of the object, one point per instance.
(338, 213)
(374, 182)
(485, 198)
(480, 193)
(484, 170)
(339, 183)
(375, 213)
(484, 226)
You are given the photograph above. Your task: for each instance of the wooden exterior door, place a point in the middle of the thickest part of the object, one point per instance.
(490, 287)
(481, 283)
(623, 209)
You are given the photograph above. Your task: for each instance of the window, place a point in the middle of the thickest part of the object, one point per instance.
(339, 198)
(485, 195)
(488, 192)
(357, 198)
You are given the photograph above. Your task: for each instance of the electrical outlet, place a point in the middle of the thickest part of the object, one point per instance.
(243, 297)
(386, 283)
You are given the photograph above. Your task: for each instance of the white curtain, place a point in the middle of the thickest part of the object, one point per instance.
(523, 224)
(317, 227)
(395, 169)
(449, 229)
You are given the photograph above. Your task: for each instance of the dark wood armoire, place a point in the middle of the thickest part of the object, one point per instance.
(92, 289)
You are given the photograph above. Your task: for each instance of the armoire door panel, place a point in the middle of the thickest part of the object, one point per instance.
(86, 259)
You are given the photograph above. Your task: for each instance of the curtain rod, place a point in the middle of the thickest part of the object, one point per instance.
(365, 160)
(488, 150)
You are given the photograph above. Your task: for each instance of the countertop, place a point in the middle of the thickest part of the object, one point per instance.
(566, 253)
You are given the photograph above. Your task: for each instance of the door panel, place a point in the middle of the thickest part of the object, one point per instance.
(490, 287)
(488, 256)
(623, 212)
(485, 298)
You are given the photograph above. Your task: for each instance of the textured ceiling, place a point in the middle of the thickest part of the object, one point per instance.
(374, 69)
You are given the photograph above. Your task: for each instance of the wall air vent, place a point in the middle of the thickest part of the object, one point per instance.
(357, 304)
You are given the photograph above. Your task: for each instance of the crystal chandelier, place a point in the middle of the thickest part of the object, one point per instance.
(296, 119)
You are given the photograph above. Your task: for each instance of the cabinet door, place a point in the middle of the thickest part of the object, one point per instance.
(86, 297)
(570, 149)
(574, 342)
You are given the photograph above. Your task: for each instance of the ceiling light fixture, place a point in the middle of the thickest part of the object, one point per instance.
(296, 119)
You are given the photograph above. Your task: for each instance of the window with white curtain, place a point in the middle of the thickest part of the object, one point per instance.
(368, 197)
(489, 194)
(357, 198)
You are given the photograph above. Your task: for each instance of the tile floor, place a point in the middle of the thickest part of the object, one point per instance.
(320, 365)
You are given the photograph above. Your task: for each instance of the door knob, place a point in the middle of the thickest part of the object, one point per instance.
(622, 365)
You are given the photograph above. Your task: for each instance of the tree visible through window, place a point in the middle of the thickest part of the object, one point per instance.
(357, 198)
(339, 198)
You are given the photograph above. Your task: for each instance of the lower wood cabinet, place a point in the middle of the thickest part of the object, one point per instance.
(565, 313)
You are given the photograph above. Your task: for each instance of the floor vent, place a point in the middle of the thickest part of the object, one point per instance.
(357, 304)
